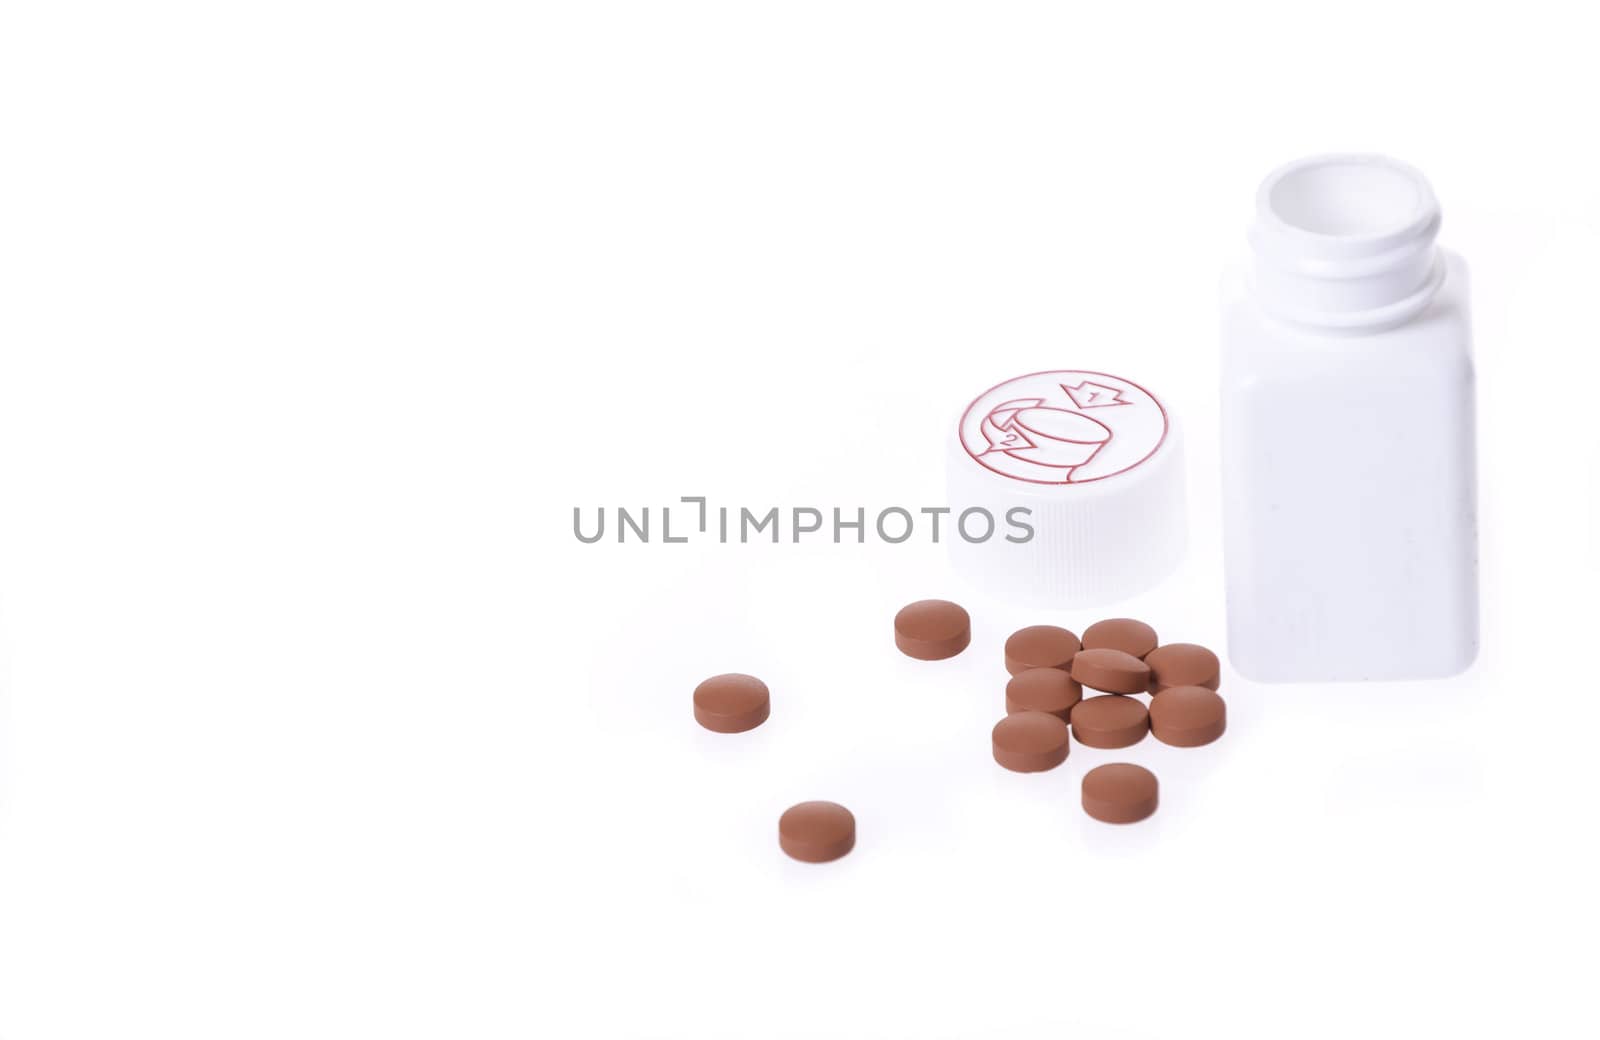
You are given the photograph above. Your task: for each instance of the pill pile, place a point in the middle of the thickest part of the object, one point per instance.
(1119, 660)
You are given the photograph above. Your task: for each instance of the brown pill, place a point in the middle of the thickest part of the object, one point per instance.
(1043, 689)
(1119, 792)
(932, 629)
(1187, 716)
(1040, 646)
(731, 703)
(1030, 741)
(1110, 722)
(1125, 634)
(1183, 664)
(1111, 670)
(816, 832)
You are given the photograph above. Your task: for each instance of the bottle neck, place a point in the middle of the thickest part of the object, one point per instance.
(1345, 243)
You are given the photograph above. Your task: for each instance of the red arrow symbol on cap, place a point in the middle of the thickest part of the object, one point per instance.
(1094, 395)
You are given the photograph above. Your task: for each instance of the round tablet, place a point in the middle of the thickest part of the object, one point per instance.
(1030, 741)
(932, 629)
(731, 703)
(1111, 670)
(1187, 716)
(1040, 646)
(1043, 689)
(1119, 792)
(1110, 722)
(1125, 634)
(1183, 664)
(816, 832)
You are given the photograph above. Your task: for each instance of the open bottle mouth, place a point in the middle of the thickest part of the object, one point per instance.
(1345, 241)
(1348, 197)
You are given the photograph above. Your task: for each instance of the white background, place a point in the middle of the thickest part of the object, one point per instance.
(318, 319)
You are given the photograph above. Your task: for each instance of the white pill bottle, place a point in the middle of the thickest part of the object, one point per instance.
(1349, 489)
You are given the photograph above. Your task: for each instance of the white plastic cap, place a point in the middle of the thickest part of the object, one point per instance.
(1092, 464)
